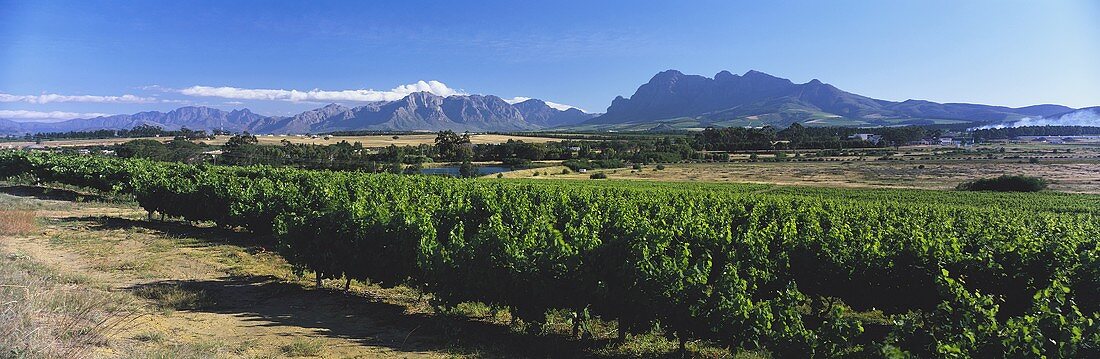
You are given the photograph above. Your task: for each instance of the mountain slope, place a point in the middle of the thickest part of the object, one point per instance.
(673, 99)
(537, 112)
(300, 123)
(428, 112)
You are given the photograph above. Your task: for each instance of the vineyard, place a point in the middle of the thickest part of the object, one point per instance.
(792, 271)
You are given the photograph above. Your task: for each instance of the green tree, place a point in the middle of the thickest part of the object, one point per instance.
(143, 148)
(243, 139)
(467, 170)
(452, 146)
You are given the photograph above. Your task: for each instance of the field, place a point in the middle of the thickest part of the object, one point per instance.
(1074, 176)
(367, 141)
(579, 268)
(923, 167)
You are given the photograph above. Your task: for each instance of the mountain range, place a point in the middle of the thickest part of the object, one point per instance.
(420, 111)
(670, 100)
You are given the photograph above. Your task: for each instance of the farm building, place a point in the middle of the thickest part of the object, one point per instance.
(869, 137)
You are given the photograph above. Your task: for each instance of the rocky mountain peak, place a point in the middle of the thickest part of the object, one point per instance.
(725, 76)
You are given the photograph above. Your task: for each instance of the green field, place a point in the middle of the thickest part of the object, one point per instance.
(789, 271)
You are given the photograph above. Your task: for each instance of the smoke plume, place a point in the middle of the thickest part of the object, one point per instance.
(1083, 117)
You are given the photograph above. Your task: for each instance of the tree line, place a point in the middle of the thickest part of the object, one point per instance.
(797, 136)
(1012, 132)
(143, 130)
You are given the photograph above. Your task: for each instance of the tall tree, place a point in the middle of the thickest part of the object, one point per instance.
(452, 146)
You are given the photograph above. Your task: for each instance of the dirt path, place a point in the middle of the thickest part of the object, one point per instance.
(204, 297)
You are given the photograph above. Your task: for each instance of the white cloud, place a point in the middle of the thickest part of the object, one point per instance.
(46, 116)
(318, 95)
(48, 98)
(553, 105)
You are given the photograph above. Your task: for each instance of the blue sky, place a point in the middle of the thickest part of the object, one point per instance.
(62, 59)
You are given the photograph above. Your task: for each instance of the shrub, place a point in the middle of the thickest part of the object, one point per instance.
(598, 175)
(636, 166)
(467, 170)
(660, 167)
(578, 164)
(1005, 183)
(517, 163)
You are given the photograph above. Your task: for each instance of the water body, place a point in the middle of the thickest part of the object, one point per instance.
(454, 170)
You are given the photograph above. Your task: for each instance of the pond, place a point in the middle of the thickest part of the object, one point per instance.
(453, 170)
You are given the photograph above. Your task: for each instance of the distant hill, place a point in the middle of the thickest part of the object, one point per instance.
(672, 99)
(191, 117)
(536, 112)
(417, 111)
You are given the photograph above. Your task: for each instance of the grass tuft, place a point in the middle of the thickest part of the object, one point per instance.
(150, 337)
(301, 348)
(172, 296)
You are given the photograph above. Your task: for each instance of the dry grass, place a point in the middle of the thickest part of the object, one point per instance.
(1079, 176)
(198, 350)
(17, 222)
(44, 314)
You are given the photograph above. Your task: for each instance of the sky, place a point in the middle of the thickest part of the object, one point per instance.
(63, 59)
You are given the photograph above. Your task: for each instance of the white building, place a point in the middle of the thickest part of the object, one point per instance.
(869, 137)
